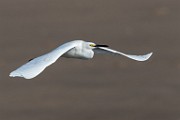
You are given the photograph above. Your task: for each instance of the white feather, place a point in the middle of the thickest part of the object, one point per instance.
(37, 65)
(103, 50)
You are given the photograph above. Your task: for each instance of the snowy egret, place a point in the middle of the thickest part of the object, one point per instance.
(74, 49)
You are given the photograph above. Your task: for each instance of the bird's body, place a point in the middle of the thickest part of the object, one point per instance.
(74, 49)
(78, 52)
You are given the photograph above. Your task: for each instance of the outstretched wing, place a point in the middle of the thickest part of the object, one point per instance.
(104, 50)
(35, 66)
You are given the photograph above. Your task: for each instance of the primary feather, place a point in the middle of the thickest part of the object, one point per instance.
(35, 66)
(104, 50)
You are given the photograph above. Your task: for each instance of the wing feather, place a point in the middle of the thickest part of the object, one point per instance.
(104, 50)
(35, 66)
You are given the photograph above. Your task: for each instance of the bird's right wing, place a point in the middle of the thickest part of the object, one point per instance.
(35, 66)
(104, 50)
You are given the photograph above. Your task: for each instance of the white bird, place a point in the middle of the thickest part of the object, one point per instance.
(73, 49)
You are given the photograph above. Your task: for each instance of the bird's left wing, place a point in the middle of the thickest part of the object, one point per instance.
(35, 66)
(104, 50)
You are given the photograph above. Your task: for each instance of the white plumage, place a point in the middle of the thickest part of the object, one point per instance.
(73, 49)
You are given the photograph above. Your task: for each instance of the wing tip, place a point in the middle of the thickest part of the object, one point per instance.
(17, 74)
(147, 56)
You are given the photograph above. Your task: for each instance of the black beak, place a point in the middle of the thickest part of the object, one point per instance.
(101, 46)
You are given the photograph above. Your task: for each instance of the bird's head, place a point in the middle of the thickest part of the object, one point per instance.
(92, 45)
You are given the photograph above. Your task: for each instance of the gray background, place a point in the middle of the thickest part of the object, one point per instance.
(106, 87)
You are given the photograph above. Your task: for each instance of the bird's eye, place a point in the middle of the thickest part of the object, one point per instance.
(92, 45)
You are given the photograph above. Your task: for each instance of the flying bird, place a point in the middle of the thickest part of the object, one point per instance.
(74, 49)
